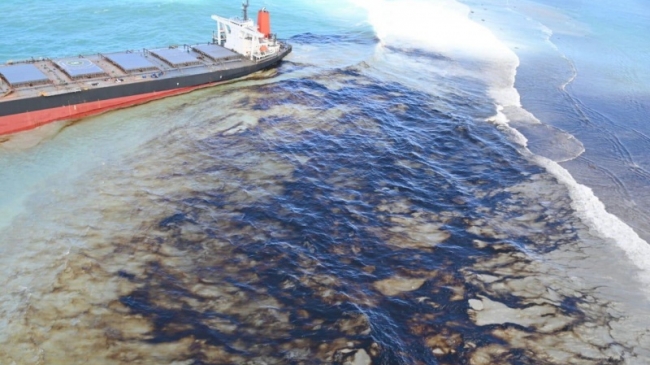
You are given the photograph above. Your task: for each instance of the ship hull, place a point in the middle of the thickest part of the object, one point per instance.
(20, 122)
(28, 113)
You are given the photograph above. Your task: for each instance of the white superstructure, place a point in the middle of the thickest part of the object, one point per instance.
(244, 37)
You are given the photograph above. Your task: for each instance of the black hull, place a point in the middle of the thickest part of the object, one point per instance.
(37, 103)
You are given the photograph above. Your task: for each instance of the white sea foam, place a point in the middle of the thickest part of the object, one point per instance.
(444, 27)
(593, 213)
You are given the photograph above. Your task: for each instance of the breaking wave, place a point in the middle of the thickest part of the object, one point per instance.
(452, 35)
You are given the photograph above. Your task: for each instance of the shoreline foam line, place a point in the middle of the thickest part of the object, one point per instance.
(584, 202)
(591, 211)
(594, 213)
(455, 35)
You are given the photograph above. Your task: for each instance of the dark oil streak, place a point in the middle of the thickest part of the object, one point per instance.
(314, 248)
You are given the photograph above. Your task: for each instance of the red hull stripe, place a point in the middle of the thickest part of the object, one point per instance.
(24, 121)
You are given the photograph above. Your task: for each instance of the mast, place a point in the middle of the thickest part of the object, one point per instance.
(244, 7)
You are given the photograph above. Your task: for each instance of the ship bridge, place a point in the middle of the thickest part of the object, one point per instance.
(244, 37)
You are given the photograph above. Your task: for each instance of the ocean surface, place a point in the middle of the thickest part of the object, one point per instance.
(419, 182)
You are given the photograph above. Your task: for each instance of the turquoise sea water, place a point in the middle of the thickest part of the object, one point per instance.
(419, 182)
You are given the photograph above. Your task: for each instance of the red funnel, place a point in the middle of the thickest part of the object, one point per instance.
(264, 22)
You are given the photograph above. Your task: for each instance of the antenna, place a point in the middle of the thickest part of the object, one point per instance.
(244, 7)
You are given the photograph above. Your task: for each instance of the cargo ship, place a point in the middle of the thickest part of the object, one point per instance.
(40, 91)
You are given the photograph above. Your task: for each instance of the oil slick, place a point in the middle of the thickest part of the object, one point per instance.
(314, 228)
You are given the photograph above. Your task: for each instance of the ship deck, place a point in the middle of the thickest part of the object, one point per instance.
(48, 77)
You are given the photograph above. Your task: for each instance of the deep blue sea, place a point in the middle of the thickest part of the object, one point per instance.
(419, 182)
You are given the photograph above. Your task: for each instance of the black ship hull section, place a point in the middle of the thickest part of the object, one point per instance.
(131, 89)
